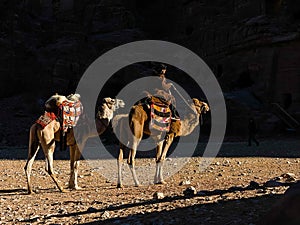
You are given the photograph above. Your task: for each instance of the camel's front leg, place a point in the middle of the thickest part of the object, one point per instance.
(158, 155)
(75, 155)
(131, 162)
(120, 164)
(160, 161)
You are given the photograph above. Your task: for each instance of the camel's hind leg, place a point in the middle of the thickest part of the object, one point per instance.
(49, 150)
(131, 161)
(157, 179)
(161, 159)
(32, 152)
(75, 155)
(120, 165)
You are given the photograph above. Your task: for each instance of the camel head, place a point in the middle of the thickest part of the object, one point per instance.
(57, 99)
(108, 106)
(52, 104)
(200, 107)
(119, 103)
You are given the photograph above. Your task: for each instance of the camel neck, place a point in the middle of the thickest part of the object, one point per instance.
(189, 123)
(102, 125)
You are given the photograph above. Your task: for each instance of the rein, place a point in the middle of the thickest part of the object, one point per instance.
(181, 96)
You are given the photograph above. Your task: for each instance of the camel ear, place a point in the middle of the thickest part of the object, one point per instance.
(106, 100)
(195, 101)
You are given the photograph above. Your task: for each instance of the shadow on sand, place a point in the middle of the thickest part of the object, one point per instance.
(206, 213)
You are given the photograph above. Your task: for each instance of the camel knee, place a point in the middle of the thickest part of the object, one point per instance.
(161, 159)
(131, 162)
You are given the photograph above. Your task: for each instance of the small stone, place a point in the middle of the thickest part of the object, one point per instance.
(208, 199)
(62, 211)
(105, 215)
(289, 177)
(185, 182)
(254, 185)
(190, 191)
(91, 210)
(272, 183)
(158, 195)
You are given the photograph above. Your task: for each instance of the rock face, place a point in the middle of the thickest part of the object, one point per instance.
(286, 211)
(251, 46)
(51, 43)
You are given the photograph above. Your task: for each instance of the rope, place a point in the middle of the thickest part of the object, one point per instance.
(181, 96)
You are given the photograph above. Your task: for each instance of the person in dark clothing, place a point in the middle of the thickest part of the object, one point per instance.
(252, 130)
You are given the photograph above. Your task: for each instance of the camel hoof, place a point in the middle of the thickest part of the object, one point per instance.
(30, 192)
(62, 190)
(160, 182)
(119, 185)
(77, 188)
(74, 187)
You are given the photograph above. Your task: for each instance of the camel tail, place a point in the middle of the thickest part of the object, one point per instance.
(33, 140)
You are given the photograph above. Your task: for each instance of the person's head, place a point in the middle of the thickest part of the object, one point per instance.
(160, 69)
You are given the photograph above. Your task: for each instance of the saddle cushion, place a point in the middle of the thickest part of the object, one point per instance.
(70, 112)
(45, 119)
(160, 115)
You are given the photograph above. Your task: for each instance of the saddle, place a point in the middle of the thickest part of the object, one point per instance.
(160, 114)
(70, 112)
(66, 110)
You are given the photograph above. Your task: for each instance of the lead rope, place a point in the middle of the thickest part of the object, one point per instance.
(185, 101)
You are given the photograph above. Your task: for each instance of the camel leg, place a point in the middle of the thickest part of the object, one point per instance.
(131, 161)
(32, 152)
(49, 150)
(158, 155)
(160, 162)
(75, 155)
(120, 164)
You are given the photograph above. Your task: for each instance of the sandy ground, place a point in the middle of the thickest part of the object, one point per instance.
(231, 190)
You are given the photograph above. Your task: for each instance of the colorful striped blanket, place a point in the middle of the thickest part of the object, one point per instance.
(70, 112)
(160, 116)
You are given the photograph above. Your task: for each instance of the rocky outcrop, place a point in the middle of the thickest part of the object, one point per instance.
(286, 210)
(51, 43)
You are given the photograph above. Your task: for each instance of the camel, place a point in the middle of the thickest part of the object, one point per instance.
(46, 137)
(139, 119)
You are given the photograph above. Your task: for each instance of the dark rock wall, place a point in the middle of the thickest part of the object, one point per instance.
(252, 46)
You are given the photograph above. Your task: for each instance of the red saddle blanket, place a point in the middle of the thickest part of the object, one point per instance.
(70, 112)
(45, 119)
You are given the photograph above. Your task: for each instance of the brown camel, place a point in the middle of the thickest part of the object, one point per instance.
(139, 119)
(46, 137)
